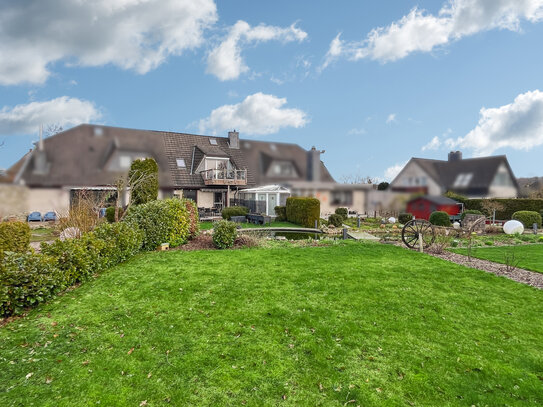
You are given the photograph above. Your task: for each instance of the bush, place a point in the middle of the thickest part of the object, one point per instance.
(165, 221)
(143, 180)
(343, 212)
(14, 237)
(110, 213)
(405, 217)
(194, 220)
(224, 234)
(335, 219)
(303, 211)
(281, 212)
(26, 280)
(528, 218)
(440, 218)
(230, 211)
(470, 212)
(122, 241)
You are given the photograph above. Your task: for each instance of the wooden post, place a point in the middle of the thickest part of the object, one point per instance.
(344, 233)
(421, 244)
(535, 228)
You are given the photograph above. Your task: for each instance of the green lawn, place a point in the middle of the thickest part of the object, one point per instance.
(341, 325)
(529, 257)
(209, 225)
(43, 234)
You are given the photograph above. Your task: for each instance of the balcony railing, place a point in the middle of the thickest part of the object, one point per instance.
(224, 177)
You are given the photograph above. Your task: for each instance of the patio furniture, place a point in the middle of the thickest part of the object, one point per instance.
(258, 219)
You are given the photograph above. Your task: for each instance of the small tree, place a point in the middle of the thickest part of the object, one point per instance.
(143, 181)
(490, 207)
(383, 186)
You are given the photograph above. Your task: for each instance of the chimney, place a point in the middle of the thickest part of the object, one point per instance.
(40, 159)
(233, 139)
(455, 156)
(314, 164)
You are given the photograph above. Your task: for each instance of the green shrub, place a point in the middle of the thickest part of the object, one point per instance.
(110, 213)
(343, 212)
(510, 206)
(440, 218)
(528, 218)
(281, 213)
(26, 280)
(335, 219)
(303, 211)
(14, 237)
(470, 212)
(224, 234)
(540, 239)
(230, 211)
(405, 217)
(143, 181)
(122, 241)
(194, 220)
(165, 221)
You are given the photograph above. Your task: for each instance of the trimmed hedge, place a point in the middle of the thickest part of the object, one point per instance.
(470, 212)
(143, 179)
(14, 237)
(303, 211)
(281, 213)
(528, 218)
(122, 241)
(405, 217)
(165, 221)
(336, 219)
(224, 234)
(440, 218)
(230, 211)
(510, 206)
(343, 212)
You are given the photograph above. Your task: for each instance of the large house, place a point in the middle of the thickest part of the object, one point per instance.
(210, 170)
(483, 177)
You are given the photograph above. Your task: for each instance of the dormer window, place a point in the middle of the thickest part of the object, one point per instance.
(213, 141)
(282, 169)
(180, 163)
(125, 161)
(462, 180)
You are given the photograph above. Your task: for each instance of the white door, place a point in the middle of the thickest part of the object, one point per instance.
(272, 203)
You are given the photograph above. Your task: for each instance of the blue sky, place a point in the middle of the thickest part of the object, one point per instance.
(372, 83)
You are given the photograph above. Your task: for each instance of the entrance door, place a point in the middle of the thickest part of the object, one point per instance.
(272, 203)
(218, 201)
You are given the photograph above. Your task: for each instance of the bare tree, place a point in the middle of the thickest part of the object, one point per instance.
(52, 129)
(356, 179)
(121, 186)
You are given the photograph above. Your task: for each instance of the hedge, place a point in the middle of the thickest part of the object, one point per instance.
(470, 212)
(440, 218)
(230, 211)
(303, 211)
(110, 213)
(510, 206)
(14, 237)
(143, 179)
(194, 219)
(281, 213)
(528, 218)
(122, 241)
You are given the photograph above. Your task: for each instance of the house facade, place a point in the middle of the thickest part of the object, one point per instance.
(483, 177)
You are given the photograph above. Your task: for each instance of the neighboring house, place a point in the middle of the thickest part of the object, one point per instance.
(210, 170)
(483, 177)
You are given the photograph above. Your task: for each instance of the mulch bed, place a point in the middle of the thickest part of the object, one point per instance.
(205, 242)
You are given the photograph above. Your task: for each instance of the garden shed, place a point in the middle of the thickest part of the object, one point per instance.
(264, 199)
(423, 206)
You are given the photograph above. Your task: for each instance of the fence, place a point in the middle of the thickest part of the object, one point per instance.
(254, 206)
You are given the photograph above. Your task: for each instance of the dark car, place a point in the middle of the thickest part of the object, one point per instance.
(50, 216)
(34, 217)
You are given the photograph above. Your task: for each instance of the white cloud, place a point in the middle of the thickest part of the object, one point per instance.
(391, 118)
(65, 111)
(225, 60)
(419, 31)
(257, 114)
(356, 131)
(518, 125)
(130, 34)
(434, 144)
(392, 172)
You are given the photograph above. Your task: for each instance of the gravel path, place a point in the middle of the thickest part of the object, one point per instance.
(520, 275)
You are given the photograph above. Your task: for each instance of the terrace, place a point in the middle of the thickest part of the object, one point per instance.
(224, 177)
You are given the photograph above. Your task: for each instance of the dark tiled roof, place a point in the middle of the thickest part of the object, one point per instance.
(438, 200)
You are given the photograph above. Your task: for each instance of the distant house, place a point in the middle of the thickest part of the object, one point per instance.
(483, 177)
(210, 170)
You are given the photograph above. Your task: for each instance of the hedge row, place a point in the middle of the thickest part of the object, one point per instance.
(281, 213)
(303, 211)
(230, 211)
(510, 206)
(14, 237)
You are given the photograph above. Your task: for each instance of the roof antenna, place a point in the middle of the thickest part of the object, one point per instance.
(40, 145)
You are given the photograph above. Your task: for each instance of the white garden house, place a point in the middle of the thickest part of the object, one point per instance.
(269, 196)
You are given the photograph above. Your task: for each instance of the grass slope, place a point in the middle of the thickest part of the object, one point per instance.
(209, 225)
(350, 324)
(529, 257)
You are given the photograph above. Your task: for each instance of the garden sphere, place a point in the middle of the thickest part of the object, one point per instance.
(392, 219)
(513, 227)
(456, 225)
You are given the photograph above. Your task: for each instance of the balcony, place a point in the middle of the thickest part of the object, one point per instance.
(224, 177)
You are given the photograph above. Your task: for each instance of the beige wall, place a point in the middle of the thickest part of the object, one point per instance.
(413, 171)
(204, 199)
(18, 200)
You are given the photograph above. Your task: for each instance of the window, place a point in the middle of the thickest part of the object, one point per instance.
(213, 141)
(502, 179)
(125, 161)
(180, 163)
(462, 180)
(217, 163)
(273, 147)
(342, 198)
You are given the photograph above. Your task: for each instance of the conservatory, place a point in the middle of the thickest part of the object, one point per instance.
(263, 199)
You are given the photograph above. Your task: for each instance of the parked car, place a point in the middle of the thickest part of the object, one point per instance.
(50, 217)
(34, 217)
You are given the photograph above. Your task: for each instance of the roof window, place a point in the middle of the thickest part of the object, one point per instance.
(462, 180)
(180, 163)
(213, 141)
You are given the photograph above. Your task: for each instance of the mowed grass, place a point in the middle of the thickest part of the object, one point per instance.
(341, 325)
(528, 257)
(209, 225)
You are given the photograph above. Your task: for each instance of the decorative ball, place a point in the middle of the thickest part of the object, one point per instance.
(70, 233)
(382, 226)
(392, 219)
(513, 227)
(394, 227)
(456, 225)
